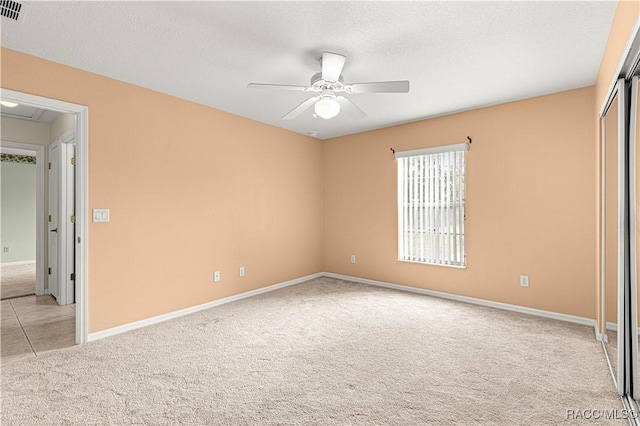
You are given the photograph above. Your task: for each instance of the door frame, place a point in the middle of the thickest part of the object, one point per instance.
(622, 324)
(81, 113)
(21, 148)
(633, 140)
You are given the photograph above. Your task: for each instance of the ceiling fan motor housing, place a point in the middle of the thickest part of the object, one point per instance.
(318, 84)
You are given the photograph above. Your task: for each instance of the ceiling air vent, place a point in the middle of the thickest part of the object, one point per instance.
(10, 9)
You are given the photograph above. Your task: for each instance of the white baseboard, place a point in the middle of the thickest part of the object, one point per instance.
(601, 337)
(19, 262)
(612, 326)
(175, 314)
(483, 302)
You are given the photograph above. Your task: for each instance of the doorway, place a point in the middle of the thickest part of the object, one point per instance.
(34, 320)
(80, 198)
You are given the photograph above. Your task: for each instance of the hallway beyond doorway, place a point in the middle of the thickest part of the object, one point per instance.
(33, 325)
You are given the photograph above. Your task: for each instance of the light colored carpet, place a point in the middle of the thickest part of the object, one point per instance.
(17, 281)
(324, 352)
(612, 350)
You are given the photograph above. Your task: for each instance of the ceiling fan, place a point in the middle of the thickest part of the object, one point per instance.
(328, 86)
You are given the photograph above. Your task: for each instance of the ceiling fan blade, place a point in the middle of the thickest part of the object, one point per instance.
(277, 87)
(332, 64)
(301, 108)
(379, 87)
(350, 108)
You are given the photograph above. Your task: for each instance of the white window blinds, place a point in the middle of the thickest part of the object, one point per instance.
(431, 205)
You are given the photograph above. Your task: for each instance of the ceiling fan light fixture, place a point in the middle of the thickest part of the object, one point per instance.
(327, 108)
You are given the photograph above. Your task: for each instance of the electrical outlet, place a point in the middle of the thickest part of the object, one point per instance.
(216, 276)
(5, 249)
(241, 271)
(353, 258)
(524, 281)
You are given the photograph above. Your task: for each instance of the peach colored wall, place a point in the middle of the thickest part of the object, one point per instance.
(529, 195)
(191, 190)
(627, 13)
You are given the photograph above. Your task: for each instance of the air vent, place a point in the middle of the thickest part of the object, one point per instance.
(10, 9)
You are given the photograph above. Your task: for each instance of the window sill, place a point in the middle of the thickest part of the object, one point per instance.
(432, 264)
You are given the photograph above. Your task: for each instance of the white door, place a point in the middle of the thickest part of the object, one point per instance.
(54, 219)
(62, 223)
(69, 226)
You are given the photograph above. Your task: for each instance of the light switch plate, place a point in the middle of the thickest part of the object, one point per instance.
(101, 215)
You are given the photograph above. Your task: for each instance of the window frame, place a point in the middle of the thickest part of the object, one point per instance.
(445, 165)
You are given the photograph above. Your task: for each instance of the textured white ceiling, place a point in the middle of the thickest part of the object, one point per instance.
(457, 55)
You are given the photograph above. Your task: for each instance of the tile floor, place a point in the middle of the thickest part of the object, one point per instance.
(33, 325)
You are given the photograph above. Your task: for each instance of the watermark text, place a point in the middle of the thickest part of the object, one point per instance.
(600, 414)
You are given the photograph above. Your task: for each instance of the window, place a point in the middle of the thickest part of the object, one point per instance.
(431, 205)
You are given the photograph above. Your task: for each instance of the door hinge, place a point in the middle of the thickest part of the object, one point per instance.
(49, 218)
(73, 218)
(73, 277)
(49, 271)
(73, 161)
(49, 166)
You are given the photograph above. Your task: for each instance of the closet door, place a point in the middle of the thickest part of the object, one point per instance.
(614, 224)
(634, 161)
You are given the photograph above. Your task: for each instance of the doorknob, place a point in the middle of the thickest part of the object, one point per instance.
(54, 230)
